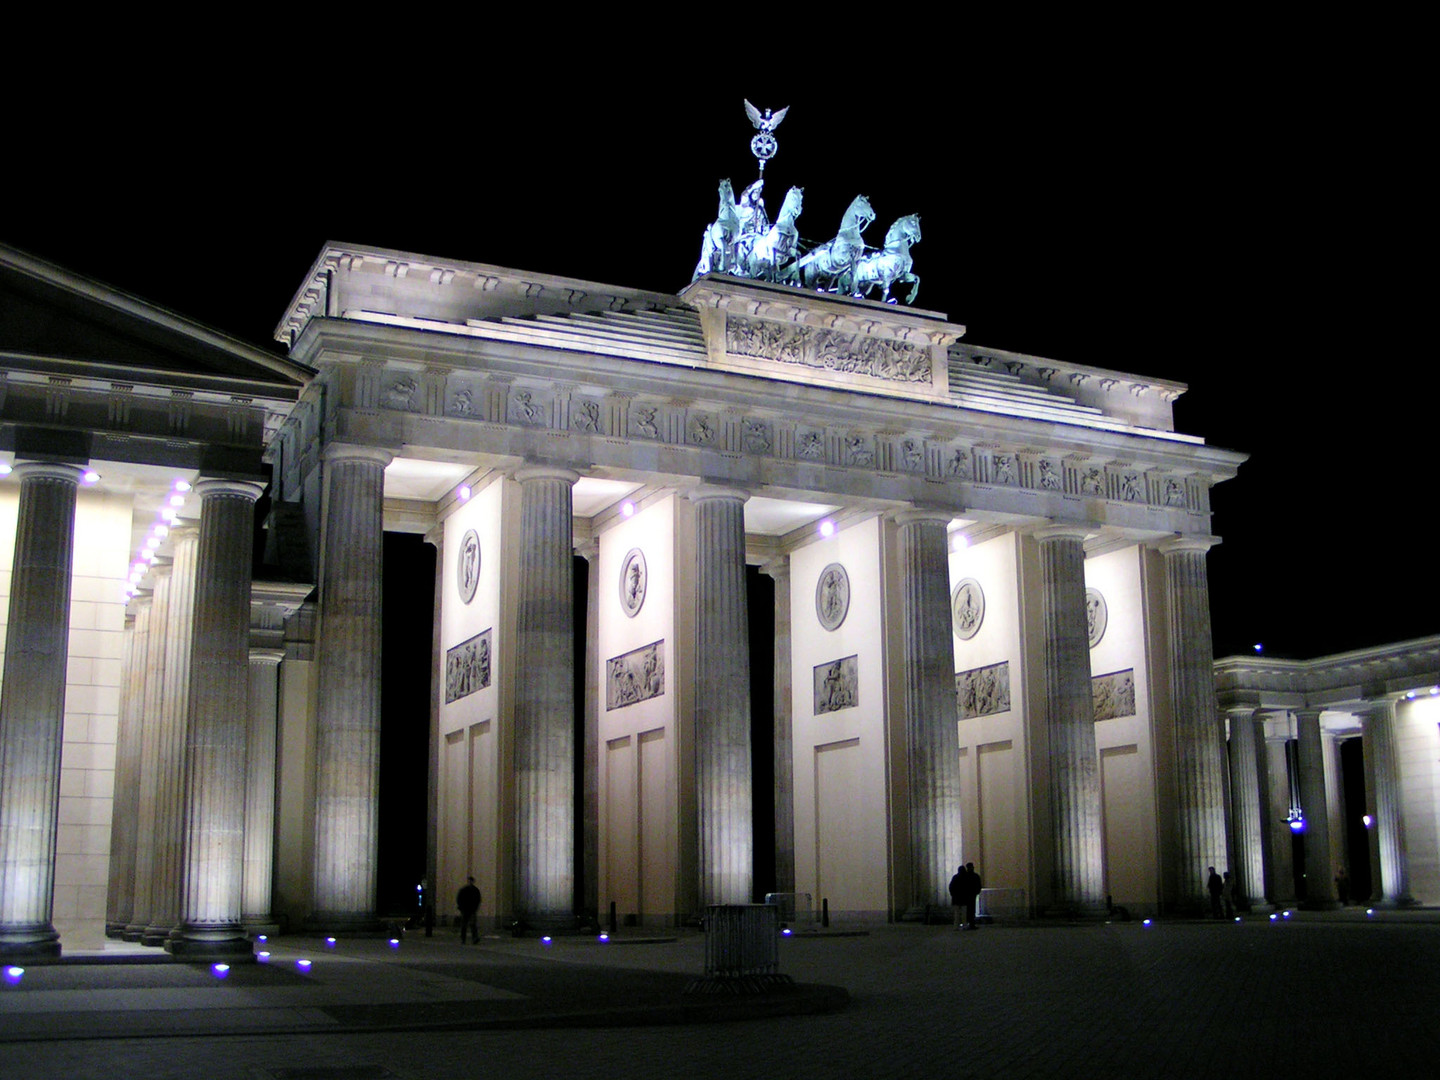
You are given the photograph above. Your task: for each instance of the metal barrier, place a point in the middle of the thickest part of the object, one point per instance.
(742, 939)
(1001, 904)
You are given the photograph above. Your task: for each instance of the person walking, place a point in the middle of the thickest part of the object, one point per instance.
(468, 901)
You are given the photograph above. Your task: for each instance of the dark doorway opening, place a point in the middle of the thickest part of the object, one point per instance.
(408, 613)
(1357, 836)
(760, 598)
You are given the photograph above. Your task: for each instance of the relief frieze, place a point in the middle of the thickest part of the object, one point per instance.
(837, 685)
(828, 350)
(467, 667)
(635, 676)
(1114, 694)
(983, 691)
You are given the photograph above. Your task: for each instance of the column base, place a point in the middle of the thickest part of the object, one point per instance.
(40, 939)
(546, 922)
(255, 925)
(115, 930)
(1076, 912)
(352, 924)
(1395, 904)
(210, 943)
(133, 932)
(156, 935)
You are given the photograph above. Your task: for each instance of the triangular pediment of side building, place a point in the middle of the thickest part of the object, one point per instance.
(60, 323)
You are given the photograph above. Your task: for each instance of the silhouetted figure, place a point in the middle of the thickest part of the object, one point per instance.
(1342, 886)
(972, 893)
(957, 894)
(1227, 894)
(468, 901)
(1216, 887)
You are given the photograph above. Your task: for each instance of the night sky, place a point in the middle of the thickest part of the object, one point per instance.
(1239, 215)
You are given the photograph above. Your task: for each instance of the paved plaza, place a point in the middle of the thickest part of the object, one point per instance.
(1334, 994)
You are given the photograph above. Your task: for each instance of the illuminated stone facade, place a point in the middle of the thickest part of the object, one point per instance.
(992, 517)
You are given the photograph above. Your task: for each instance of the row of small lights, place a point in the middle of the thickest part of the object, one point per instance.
(825, 528)
(88, 477)
(164, 521)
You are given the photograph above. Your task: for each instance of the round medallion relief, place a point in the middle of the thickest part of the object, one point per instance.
(832, 596)
(967, 608)
(467, 569)
(634, 578)
(1097, 615)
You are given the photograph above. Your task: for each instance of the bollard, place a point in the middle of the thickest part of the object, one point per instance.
(825, 911)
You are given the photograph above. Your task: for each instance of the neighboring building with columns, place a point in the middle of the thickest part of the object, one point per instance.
(991, 623)
(131, 444)
(1335, 763)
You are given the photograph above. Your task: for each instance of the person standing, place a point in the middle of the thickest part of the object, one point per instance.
(957, 894)
(468, 901)
(1227, 893)
(972, 894)
(1215, 886)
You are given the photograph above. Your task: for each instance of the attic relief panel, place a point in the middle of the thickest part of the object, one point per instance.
(828, 350)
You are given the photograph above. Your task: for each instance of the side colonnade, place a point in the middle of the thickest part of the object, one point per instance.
(176, 854)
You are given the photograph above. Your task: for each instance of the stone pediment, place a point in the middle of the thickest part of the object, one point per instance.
(60, 322)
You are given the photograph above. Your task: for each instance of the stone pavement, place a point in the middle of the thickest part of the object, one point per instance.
(1334, 993)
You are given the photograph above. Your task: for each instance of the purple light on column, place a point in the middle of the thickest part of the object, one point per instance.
(329, 942)
(304, 966)
(220, 971)
(14, 974)
(263, 956)
(394, 942)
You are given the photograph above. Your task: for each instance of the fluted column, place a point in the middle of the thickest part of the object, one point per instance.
(150, 701)
(1077, 868)
(347, 723)
(264, 699)
(927, 660)
(545, 700)
(722, 698)
(217, 732)
(1389, 831)
(779, 571)
(1245, 798)
(1199, 737)
(1319, 880)
(124, 816)
(1280, 842)
(590, 768)
(32, 706)
(169, 827)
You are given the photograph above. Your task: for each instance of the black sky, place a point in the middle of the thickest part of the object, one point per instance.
(1237, 208)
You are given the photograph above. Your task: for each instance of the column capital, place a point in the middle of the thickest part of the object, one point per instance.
(1174, 544)
(921, 516)
(588, 549)
(208, 487)
(266, 656)
(702, 492)
(545, 472)
(47, 470)
(1062, 531)
(776, 568)
(355, 452)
